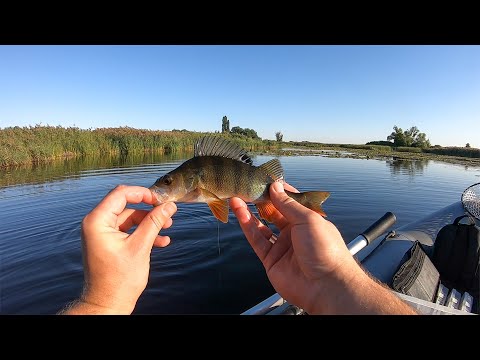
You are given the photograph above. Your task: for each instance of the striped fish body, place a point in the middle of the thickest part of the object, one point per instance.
(220, 170)
(226, 177)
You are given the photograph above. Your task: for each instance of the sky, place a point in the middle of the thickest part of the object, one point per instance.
(331, 94)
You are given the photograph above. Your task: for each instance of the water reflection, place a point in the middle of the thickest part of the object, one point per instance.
(69, 168)
(209, 268)
(407, 167)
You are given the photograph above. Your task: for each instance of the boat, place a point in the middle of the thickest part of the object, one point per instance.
(383, 251)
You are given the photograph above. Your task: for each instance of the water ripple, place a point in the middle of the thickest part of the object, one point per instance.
(209, 266)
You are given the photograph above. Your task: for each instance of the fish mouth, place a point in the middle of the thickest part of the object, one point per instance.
(160, 196)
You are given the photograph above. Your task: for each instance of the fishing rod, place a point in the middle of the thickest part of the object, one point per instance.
(360, 242)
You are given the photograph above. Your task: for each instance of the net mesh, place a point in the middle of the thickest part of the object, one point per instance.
(471, 200)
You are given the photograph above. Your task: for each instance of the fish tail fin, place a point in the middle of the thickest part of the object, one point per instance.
(311, 199)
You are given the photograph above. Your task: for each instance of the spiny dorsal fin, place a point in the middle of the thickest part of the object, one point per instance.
(218, 146)
(273, 168)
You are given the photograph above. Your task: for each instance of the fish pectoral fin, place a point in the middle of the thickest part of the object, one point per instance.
(266, 210)
(218, 206)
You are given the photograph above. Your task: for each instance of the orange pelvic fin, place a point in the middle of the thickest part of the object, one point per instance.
(218, 206)
(266, 210)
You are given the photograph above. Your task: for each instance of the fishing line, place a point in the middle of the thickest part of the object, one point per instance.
(218, 237)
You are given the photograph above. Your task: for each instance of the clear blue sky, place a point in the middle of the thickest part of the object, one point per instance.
(338, 94)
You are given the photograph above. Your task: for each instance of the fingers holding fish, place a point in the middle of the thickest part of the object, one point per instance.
(256, 233)
(240, 209)
(292, 211)
(129, 218)
(137, 216)
(117, 199)
(152, 223)
(269, 247)
(289, 187)
(276, 216)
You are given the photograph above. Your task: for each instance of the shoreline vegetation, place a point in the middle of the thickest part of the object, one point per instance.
(24, 146)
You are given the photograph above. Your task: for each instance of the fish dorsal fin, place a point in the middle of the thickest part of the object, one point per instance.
(218, 146)
(273, 168)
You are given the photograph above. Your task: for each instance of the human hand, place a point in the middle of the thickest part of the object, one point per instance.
(309, 264)
(116, 263)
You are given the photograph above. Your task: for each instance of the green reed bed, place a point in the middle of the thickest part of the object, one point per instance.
(35, 144)
(409, 149)
(455, 151)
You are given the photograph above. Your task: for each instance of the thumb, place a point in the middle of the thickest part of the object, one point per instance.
(293, 211)
(152, 223)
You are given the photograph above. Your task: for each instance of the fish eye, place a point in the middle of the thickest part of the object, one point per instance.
(167, 180)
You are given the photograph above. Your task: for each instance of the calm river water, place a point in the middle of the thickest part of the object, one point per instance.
(209, 268)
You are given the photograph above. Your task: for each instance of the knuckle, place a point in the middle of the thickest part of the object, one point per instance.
(287, 200)
(117, 188)
(86, 220)
(156, 220)
(86, 224)
(312, 217)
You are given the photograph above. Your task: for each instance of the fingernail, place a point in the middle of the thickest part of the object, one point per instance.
(277, 187)
(169, 209)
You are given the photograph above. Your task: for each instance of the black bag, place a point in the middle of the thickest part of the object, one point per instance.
(456, 255)
(417, 276)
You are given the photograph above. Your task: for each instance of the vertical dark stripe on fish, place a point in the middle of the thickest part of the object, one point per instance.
(253, 181)
(211, 176)
(207, 161)
(216, 166)
(237, 178)
(245, 179)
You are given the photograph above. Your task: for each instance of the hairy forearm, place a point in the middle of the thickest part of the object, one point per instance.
(80, 307)
(360, 294)
(367, 296)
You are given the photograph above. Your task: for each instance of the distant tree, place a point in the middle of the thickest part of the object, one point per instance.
(236, 130)
(411, 137)
(397, 136)
(279, 136)
(246, 132)
(225, 125)
(421, 141)
(467, 145)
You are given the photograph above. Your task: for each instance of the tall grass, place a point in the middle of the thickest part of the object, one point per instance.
(409, 149)
(449, 151)
(35, 144)
(455, 151)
